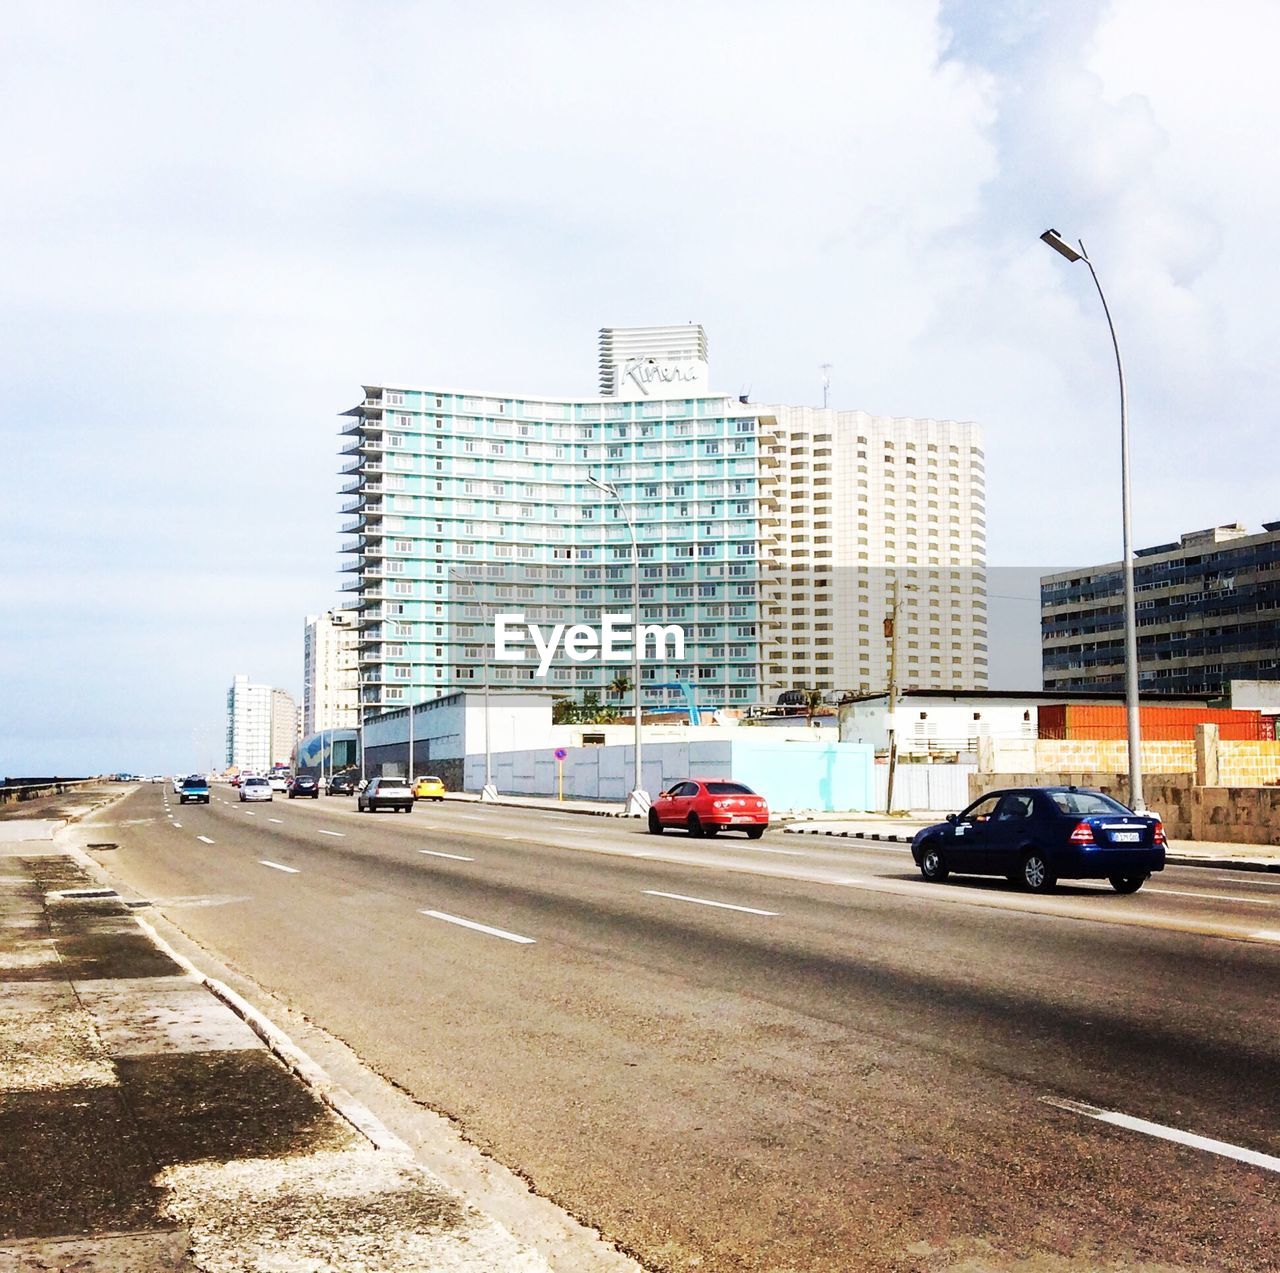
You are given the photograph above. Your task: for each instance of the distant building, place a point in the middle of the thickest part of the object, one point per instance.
(1208, 612)
(330, 677)
(284, 726)
(262, 725)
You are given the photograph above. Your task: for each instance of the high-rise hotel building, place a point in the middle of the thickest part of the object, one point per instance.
(770, 535)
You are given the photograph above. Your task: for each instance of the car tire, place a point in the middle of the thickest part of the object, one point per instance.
(754, 833)
(1127, 883)
(655, 823)
(710, 829)
(694, 824)
(933, 866)
(1036, 876)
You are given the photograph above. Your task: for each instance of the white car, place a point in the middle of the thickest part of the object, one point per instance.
(255, 789)
(177, 785)
(279, 782)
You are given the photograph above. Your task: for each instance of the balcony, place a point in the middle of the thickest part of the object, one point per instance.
(349, 488)
(352, 466)
(351, 525)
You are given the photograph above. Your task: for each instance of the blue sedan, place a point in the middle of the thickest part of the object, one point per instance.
(1036, 836)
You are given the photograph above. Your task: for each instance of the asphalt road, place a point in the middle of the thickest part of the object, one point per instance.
(783, 1054)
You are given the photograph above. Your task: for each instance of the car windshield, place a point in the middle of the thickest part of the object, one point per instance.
(194, 782)
(1085, 802)
(728, 789)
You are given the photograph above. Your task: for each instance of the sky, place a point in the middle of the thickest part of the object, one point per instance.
(221, 219)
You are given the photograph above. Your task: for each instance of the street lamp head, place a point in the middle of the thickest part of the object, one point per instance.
(607, 487)
(1060, 245)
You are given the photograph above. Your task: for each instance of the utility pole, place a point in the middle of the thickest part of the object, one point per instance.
(891, 631)
(826, 383)
(410, 774)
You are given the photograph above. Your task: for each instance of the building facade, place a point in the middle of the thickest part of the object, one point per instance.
(330, 671)
(860, 513)
(262, 725)
(1208, 612)
(768, 535)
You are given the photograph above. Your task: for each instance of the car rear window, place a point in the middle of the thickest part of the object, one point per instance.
(256, 782)
(195, 782)
(728, 789)
(1085, 802)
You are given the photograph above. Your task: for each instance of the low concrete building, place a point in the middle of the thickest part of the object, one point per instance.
(939, 725)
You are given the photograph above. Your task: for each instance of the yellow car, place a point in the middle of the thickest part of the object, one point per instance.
(428, 789)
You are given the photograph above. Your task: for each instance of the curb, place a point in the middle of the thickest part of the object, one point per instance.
(850, 835)
(293, 1058)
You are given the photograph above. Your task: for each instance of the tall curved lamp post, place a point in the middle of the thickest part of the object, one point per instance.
(1063, 248)
(638, 801)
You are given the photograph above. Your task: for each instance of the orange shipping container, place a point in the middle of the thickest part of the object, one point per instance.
(1107, 721)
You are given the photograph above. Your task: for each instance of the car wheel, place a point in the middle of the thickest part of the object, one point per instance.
(1127, 883)
(655, 823)
(1036, 876)
(711, 829)
(695, 826)
(933, 866)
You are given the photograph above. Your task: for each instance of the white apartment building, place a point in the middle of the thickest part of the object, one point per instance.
(330, 675)
(262, 725)
(862, 510)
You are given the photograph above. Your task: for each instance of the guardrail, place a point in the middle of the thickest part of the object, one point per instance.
(15, 792)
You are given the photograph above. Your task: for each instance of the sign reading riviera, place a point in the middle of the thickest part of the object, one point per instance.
(614, 642)
(662, 379)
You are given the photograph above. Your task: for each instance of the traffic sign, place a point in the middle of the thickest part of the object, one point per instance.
(561, 753)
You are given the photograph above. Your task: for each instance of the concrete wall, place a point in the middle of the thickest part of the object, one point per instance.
(790, 775)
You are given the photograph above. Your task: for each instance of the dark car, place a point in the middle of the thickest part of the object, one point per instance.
(707, 806)
(385, 793)
(304, 785)
(195, 789)
(1036, 836)
(342, 785)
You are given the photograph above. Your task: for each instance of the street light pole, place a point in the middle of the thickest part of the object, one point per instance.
(638, 801)
(1132, 701)
(488, 792)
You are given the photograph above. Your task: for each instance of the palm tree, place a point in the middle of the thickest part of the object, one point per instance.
(620, 685)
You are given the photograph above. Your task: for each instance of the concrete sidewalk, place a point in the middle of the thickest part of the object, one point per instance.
(147, 1123)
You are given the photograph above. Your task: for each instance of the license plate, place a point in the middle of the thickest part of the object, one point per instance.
(1127, 837)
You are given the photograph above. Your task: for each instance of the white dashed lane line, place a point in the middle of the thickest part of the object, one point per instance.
(342, 835)
(703, 901)
(1250, 1156)
(279, 820)
(275, 866)
(1216, 897)
(177, 826)
(479, 928)
(204, 839)
(457, 857)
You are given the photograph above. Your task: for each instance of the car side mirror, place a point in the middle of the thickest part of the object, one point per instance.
(952, 817)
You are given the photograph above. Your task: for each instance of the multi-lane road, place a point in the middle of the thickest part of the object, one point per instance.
(790, 1054)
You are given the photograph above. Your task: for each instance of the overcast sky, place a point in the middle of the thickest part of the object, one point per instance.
(220, 219)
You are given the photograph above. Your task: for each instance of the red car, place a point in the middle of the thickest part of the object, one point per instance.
(705, 806)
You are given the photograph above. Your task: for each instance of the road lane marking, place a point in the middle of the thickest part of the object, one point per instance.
(1250, 1156)
(466, 815)
(702, 901)
(204, 838)
(342, 835)
(1266, 934)
(1216, 897)
(178, 826)
(457, 857)
(275, 866)
(479, 928)
(279, 820)
(760, 848)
